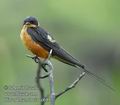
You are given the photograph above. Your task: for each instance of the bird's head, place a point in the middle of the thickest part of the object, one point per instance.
(30, 22)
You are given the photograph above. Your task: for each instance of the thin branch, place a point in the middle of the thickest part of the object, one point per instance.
(51, 83)
(39, 83)
(44, 76)
(38, 75)
(71, 86)
(48, 67)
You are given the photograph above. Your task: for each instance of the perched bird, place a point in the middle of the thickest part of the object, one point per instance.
(40, 42)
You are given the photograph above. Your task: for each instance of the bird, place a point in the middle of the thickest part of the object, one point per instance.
(40, 42)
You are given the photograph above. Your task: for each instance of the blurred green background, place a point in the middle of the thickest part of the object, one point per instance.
(88, 29)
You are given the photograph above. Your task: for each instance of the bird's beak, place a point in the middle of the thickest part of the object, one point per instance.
(27, 23)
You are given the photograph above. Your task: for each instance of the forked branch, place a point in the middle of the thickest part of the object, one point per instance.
(48, 67)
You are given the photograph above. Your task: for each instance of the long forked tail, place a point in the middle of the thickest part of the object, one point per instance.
(101, 80)
(65, 57)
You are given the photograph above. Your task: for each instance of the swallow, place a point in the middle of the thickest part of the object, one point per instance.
(40, 42)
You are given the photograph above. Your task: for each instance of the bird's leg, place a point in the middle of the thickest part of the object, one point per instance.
(34, 57)
(45, 64)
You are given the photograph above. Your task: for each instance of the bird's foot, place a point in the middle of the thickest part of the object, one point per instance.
(35, 58)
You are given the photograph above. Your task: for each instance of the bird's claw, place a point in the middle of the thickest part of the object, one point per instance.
(35, 58)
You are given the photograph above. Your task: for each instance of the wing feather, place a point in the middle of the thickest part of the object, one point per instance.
(40, 36)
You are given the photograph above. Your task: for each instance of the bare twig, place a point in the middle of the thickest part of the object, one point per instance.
(51, 82)
(48, 67)
(71, 86)
(39, 83)
(44, 76)
(38, 75)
